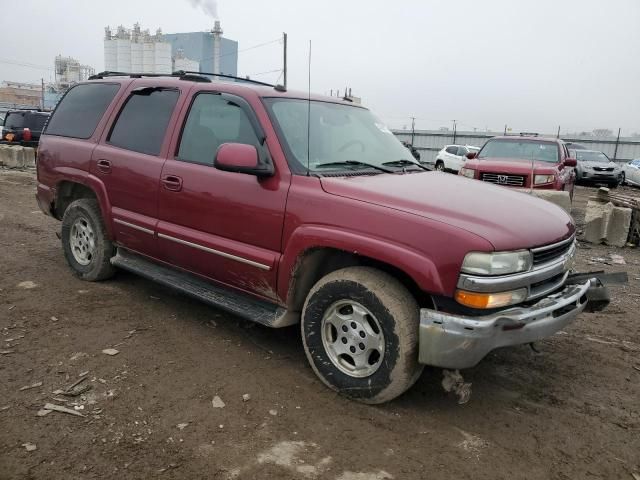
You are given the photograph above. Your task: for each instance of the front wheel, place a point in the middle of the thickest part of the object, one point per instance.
(440, 166)
(360, 334)
(87, 248)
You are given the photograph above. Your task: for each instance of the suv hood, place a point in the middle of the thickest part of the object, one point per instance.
(506, 218)
(515, 166)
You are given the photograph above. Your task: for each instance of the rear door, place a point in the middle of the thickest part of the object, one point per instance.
(129, 160)
(222, 225)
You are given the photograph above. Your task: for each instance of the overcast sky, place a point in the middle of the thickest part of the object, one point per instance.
(486, 63)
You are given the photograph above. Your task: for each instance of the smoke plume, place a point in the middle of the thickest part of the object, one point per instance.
(210, 7)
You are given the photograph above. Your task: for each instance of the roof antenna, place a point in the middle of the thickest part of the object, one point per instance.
(309, 114)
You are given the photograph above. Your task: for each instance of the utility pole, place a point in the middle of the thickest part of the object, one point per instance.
(505, 129)
(413, 129)
(284, 69)
(615, 152)
(558, 136)
(454, 131)
(42, 93)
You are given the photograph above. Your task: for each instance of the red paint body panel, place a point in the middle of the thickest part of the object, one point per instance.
(248, 232)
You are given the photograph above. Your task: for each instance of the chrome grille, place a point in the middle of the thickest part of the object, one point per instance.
(500, 179)
(552, 252)
(603, 169)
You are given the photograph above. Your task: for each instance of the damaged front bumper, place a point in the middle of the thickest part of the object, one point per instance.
(455, 341)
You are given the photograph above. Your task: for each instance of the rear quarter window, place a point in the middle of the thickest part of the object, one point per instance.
(79, 112)
(14, 120)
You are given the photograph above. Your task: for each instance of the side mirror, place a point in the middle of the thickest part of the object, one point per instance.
(471, 155)
(241, 158)
(570, 162)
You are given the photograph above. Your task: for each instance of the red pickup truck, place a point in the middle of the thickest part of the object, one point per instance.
(285, 209)
(523, 162)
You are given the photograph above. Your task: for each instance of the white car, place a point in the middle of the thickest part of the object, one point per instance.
(452, 157)
(631, 173)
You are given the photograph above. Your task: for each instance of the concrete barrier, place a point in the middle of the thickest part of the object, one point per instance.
(16, 156)
(606, 223)
(560, 198)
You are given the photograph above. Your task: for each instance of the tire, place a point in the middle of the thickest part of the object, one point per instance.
(623, 179)
(440, 166)
(87, 248)
(388, 307)
(613, 185)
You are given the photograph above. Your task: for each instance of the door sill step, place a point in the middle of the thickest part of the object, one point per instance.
(231, 301)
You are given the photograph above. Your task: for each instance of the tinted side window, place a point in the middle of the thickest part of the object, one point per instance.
(79, 112)
(14, 120)
(452, 150)
(143, 120)
(212, 121)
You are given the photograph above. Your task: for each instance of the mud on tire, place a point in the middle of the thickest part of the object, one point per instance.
(368, 298)
(87, 248)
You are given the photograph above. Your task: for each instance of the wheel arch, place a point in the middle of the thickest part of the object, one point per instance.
(69, 190)
(302, 267)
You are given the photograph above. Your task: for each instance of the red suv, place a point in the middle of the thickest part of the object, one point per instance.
(522, 161)
(285, 209)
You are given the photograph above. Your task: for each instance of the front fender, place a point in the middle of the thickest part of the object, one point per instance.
(415, 264)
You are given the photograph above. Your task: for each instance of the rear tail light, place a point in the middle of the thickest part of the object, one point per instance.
(26, 135)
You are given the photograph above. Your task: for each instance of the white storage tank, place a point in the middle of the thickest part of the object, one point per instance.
(136, 57)
(123, 47)
(110, 56)
(162, 57)
(148, 57)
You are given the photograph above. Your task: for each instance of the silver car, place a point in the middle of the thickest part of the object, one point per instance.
(631, 172)
(596, 167)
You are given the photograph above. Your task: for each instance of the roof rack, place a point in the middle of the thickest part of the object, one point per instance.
(184, 75)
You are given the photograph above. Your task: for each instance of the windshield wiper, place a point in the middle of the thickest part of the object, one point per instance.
(356, 163)
(403, 162)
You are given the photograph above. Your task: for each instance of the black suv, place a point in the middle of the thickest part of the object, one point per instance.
(24, 126)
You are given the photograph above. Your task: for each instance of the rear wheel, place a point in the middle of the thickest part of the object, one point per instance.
(623, 179)
(87, 248)
(440, 166)
(360, 334)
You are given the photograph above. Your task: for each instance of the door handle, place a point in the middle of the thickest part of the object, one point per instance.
(104, 166)
(172, 182)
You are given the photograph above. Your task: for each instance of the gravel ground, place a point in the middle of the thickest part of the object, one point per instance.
(568, 412)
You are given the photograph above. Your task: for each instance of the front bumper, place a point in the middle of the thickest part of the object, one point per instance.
(454, 341)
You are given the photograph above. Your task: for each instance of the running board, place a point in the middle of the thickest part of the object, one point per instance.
(233, 302)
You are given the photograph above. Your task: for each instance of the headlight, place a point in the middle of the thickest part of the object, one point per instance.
(467, 172)
(500, 263)
(539, 179)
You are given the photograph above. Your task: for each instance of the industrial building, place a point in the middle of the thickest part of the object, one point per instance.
(211, 50)
(136, 50)
(139, 51)
(69, 71)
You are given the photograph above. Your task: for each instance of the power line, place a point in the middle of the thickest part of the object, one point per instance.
(264, 73)
(248, 48)
(25, 64)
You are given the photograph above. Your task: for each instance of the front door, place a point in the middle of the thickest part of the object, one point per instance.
(128, 162)
(226, 226)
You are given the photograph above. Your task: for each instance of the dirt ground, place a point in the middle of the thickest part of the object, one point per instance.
(571, 411)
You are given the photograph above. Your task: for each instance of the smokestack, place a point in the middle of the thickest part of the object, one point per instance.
(217, 35)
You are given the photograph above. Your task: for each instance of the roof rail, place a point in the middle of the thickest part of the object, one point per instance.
(184, 75)
(223, 75)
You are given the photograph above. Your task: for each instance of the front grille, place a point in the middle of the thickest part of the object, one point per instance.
(500, 179)
(551, 252)
(603, 169)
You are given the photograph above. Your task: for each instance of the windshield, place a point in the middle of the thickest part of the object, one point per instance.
(338, 133)
(591, 156)
(524, 149)
(14, 120)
